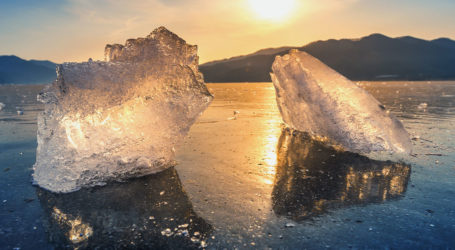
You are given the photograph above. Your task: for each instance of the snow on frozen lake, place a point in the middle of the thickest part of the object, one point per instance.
(243, 182)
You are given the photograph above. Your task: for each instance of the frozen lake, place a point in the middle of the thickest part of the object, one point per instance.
(242, 181)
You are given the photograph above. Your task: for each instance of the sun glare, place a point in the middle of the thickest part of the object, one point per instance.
(275, 10)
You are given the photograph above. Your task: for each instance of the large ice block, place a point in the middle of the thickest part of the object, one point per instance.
(316, 99)
(119, 118)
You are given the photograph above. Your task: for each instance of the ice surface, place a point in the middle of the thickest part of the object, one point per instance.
(119, 118)
(316, 99)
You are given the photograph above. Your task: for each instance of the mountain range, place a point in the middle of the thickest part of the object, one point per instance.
(17, 70)
(374, 57)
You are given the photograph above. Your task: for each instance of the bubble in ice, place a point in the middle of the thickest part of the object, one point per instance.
(316, 99)
(119, 118)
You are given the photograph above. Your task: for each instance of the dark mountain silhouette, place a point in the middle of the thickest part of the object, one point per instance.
(45, 63)
(16, 70)
(375, 57)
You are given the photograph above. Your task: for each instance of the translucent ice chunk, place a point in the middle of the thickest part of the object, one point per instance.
(316, 99)
(120, 118)
(2, 105)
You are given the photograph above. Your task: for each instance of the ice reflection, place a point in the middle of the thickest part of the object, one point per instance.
(78, 231)
(149, 212)
(312, 178)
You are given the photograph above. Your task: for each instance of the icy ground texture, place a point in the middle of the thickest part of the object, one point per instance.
(316, 99)
(120, 118)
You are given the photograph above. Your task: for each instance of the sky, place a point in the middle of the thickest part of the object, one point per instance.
(75, 30)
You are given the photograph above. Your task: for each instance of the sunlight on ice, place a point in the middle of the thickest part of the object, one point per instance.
(316, 99)
(120, 118)
(269, 151)
(79, 231)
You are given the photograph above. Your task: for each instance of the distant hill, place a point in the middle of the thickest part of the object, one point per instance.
(16, 70)
(374, 57)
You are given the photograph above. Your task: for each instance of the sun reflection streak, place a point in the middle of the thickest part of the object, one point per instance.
(269, 156)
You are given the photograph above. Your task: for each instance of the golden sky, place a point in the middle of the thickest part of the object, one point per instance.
(75, 30)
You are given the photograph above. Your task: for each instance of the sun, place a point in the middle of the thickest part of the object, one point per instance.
(273, 10)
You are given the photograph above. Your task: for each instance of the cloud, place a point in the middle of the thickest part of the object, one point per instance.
(217, 26)
(193, 20)
(64, 30)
